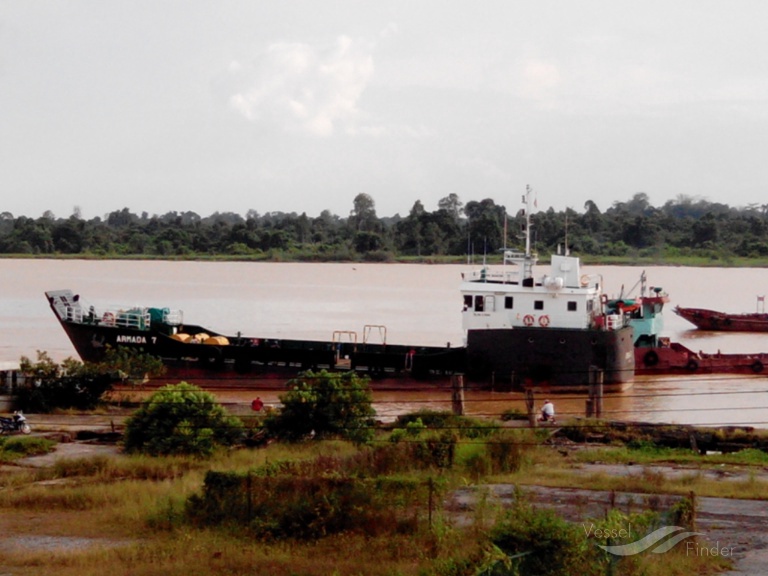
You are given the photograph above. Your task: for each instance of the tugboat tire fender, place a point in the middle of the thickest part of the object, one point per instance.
(757, 366)
(651, 358)
(692, 365)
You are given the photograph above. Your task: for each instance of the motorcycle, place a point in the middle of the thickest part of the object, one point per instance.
(17, 423)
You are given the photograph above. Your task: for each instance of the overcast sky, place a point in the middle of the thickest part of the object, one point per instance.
(301, 105)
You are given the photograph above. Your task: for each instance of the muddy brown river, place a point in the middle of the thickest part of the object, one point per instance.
(417, 304)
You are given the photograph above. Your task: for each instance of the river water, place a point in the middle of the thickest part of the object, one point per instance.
(417, 304)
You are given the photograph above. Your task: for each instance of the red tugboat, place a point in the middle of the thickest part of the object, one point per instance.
(656, 355)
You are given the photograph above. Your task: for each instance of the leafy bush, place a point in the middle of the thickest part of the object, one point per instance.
(130, 365)
(464, 426)
(541, 542)
(324, 405)
(436, 450)
(71, 384)
(180, 419)
(80, 385)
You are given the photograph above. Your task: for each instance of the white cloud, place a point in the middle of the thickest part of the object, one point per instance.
(537, 81)
(306, 88)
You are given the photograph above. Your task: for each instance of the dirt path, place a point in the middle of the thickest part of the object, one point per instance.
(69, 450)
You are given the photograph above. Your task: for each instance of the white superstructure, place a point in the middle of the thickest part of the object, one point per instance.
(509, 296)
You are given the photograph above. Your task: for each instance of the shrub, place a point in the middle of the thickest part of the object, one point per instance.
(275, 504)
(324, 405)
(80, 385)
(71, 384)
(505, 451)
(541, 542)
(464, 426)
(435, 451)
(180, 419)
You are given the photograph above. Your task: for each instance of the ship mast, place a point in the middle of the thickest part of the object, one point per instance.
(530, 258)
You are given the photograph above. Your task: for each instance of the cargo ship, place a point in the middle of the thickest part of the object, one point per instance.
(552, 331)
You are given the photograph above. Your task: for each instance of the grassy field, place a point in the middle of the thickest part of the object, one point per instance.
(130, 514)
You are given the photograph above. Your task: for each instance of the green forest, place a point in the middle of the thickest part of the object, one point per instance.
(685, 230)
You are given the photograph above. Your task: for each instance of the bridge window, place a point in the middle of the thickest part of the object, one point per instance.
(572, 306)
(509, 302)
(479, 300)
(538, 304)
(467, 301)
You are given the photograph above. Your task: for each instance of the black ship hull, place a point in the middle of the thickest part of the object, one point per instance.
(560, 358)
(262, 357)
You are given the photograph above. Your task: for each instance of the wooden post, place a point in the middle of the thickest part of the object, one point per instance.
(530, 407)
(694, 505)
(249, 491)
(599, 393)
(692, 440)
(457, 397)
(595, 401)
(431, 486)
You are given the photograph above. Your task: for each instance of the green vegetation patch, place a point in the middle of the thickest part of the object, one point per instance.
(308, 507)
(15, 447)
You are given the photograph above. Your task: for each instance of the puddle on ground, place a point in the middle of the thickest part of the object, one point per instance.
(34, 543)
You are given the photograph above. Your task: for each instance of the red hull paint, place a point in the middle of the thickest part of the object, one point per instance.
(723, 322)
(677, 359)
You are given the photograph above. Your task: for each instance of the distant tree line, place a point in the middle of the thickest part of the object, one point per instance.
(679, 228)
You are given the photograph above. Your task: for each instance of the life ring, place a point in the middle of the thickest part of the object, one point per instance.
(651, 358)
(584, 280)
(757, 366)
(544, 321)
(528, 320)
(692, 365)
(108, 319)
